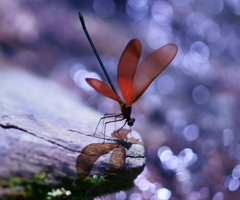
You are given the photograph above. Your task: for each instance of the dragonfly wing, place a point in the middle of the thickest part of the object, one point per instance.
(103, 88)
(127, 68)
(151, 67)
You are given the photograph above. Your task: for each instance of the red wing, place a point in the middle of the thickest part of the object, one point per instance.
(103, 88)
(127, 67)
(151, 67)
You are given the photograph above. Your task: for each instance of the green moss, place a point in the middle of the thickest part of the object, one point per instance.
(19, 188)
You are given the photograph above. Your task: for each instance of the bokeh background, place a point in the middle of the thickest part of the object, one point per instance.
(189, 116)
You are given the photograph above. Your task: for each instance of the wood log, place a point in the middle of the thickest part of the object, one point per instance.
(48, 146)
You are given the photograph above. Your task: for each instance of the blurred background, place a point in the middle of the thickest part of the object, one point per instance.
(188, 117)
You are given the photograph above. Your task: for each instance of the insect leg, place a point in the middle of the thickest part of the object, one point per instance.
(102, 118)
(111, 122)
(108, 116)
(121, 127)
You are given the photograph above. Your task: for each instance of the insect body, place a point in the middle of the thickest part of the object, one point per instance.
(132, 81)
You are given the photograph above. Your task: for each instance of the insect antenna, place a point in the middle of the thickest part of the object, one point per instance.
(96, 53)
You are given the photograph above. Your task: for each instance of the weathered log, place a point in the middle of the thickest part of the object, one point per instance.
(47, 142)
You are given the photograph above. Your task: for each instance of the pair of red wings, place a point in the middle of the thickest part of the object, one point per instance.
(134, 81)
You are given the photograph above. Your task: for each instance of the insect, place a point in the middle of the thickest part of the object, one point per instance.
(132, 80)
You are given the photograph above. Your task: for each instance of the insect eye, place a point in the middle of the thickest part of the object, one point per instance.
(131, 122)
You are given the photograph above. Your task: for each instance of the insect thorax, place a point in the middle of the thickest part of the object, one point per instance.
(126, 112)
